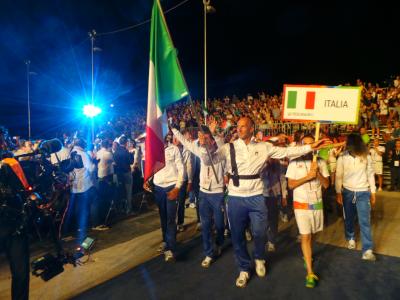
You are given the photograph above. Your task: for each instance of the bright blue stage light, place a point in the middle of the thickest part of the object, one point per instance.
(90, 110)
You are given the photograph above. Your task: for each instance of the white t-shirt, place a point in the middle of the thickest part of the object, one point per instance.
(375, 156)
(62, 155)
(311, 191)
(105, 165)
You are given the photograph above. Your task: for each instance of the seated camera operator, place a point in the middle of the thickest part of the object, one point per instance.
(80, 169)
(13, 237)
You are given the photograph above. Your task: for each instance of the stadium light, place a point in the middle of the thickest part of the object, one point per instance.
(91, 111)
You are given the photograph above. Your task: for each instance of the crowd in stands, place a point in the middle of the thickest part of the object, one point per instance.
(118, 152)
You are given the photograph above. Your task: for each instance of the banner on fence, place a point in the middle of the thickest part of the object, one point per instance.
(334, 104)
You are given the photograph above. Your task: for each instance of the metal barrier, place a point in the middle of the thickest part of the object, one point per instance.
(289, 128)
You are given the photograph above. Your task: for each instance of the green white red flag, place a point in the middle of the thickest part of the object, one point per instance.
(166, 85)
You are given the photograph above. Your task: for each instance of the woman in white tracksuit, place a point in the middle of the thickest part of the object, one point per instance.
(355, 190)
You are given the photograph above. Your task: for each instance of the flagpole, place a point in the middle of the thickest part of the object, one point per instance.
(197, 116)
(317, 126)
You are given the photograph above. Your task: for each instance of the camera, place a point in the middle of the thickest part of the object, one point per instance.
(49, 266)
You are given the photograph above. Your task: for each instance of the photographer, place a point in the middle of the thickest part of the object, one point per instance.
(13, 237)
(82, 188)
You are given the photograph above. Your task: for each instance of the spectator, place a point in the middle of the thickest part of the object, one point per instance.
(376, 153)
(394, 155)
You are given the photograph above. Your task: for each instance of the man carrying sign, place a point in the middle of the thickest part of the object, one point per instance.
(306, 178)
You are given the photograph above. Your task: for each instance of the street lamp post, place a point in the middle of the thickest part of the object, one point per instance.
(207, 9)
(92, 35)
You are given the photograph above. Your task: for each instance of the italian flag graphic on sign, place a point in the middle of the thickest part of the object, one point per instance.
(292, 100)
(166, 85)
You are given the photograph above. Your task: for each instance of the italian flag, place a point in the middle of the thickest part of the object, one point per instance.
(166, 85)
(292, 100)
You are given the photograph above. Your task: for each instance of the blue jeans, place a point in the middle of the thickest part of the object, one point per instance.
(211, 207)
(79, 206)
(241, 210)
(358, 202)
(167, 210)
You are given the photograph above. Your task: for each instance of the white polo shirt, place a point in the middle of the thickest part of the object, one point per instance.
(311, 191)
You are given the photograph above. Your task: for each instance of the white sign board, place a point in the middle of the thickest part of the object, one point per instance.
(339, 104)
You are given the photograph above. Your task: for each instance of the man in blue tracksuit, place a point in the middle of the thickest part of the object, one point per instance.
(211, 199)
(245, 159)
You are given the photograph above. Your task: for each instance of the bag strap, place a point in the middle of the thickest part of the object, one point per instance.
(18, 171)
(235, 173)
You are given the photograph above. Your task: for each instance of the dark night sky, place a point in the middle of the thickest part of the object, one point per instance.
(253, 45)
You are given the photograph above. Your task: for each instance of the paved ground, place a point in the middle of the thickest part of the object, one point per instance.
(133, 242)
(343, 276)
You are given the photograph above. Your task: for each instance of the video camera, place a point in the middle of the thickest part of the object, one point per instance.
(49, 266)
(46, 180)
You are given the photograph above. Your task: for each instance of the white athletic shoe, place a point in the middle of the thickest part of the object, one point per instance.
(369, 255)
(169, 256)
(284, 218)
(162, 247)
(351, 244)
(206, 262)
(242, 280)
(180, 228)
(249, 237)
(260, 267)
(198, 226)
(270, 247)
(192, 205)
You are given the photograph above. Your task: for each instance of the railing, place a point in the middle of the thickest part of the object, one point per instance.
(289, 128)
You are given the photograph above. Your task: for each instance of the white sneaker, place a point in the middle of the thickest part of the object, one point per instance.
(206, 262)
(351, 244)
(248, 235)
(162, 247)
(241, 281)
(169, 256)
(284, 218)
(180, 228)
(270, 247)
(198, 226)
(369, 255)
(192, 205)
(260, 267)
